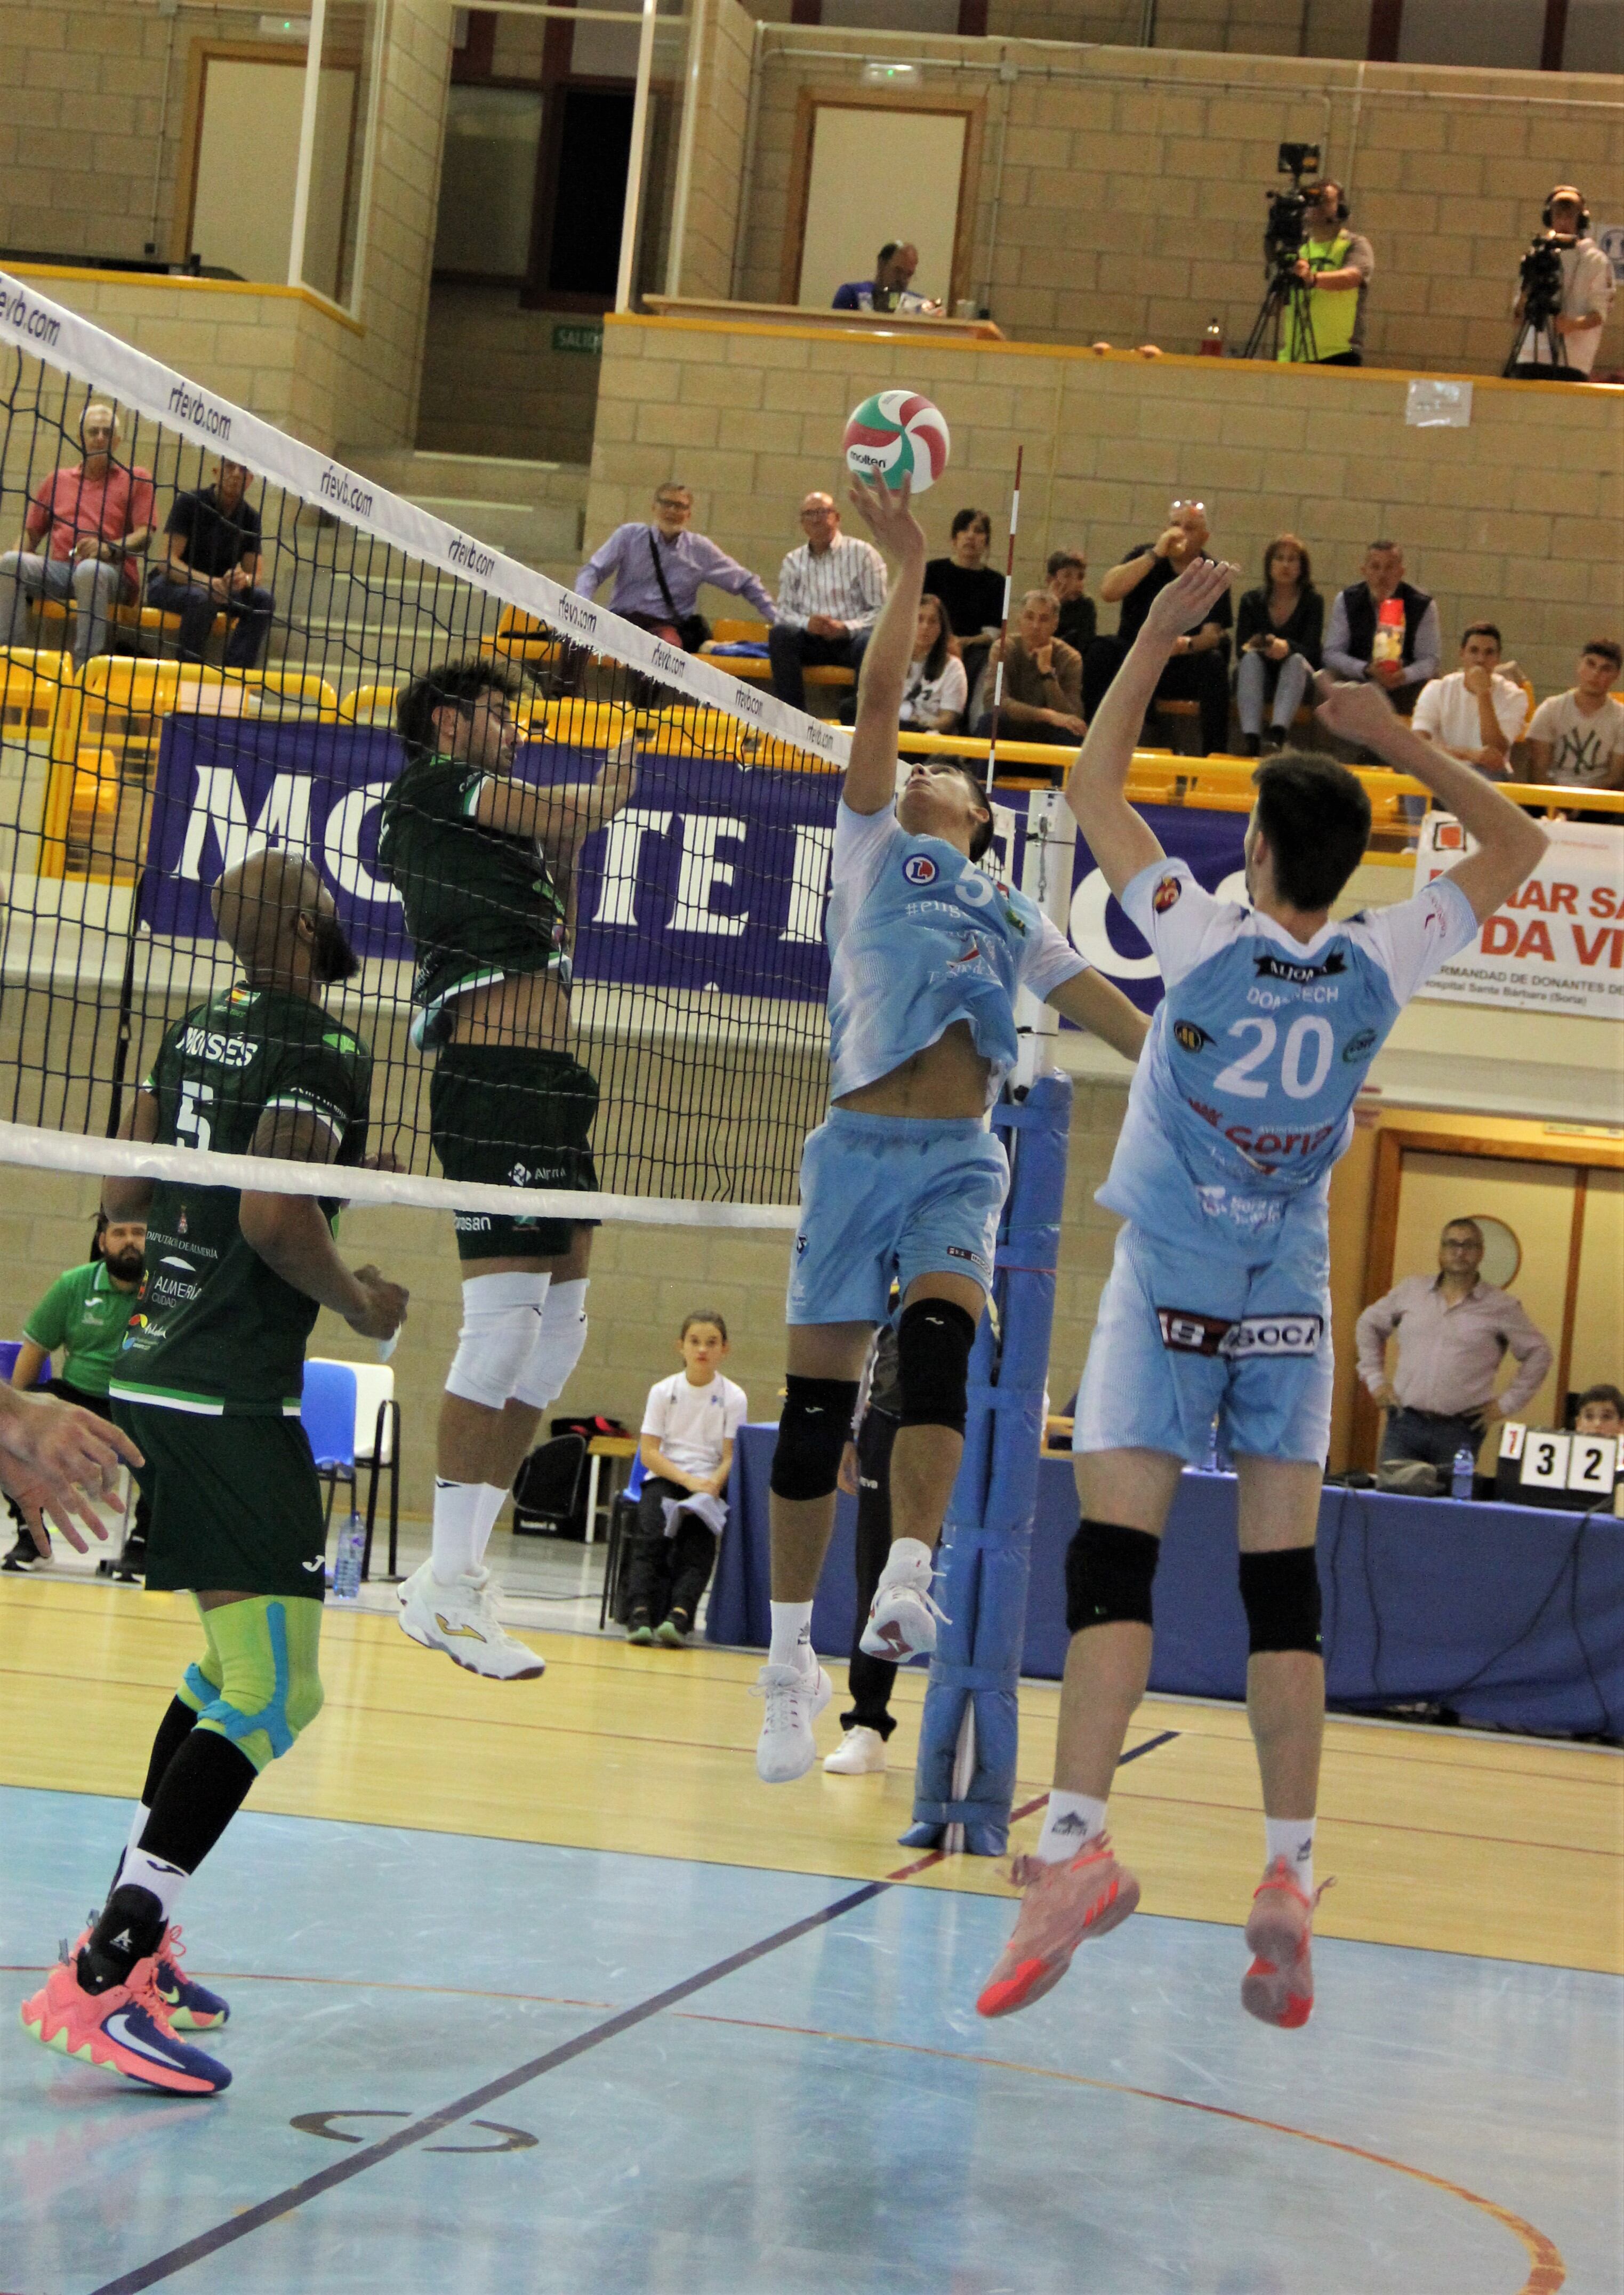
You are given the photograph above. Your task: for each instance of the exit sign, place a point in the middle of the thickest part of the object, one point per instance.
(588, 340)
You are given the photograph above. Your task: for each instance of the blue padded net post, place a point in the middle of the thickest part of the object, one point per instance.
(987, 1553)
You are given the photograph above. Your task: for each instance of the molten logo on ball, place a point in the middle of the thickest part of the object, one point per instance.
(897, 435)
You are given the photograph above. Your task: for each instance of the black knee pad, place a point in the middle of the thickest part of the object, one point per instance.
(1109, 1575)
(1281, 1592)
(934, 1339)
(814, 1429)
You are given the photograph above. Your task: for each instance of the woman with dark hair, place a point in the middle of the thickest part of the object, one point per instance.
(937, 691)
(966, 585)
(1277, 637)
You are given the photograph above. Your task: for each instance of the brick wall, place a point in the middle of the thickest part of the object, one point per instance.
(492, 383)
(726, 37)
(1282, 28)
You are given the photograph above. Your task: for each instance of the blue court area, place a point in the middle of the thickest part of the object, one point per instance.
(626, 2073)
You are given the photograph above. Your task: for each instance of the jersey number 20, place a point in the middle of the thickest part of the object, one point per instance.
(1309, 1037)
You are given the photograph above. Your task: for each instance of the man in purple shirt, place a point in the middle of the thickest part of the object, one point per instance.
(659, 569)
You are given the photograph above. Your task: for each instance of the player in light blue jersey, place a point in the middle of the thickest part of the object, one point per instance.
(905, 1181)
(1218, 1304)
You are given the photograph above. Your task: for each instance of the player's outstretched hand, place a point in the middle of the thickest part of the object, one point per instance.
(887, 515)
(59, 1459)
(386, 1307)
(1355, 712)
(1186, 602)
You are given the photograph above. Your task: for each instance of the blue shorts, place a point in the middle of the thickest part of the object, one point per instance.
(885, 1198)
(1181, 1336)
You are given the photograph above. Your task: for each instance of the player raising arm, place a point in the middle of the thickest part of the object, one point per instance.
(904, 1180)
(1218, 1303)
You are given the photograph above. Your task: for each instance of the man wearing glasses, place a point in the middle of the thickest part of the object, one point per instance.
(659, 566)
(1199, 668)
(830, 591)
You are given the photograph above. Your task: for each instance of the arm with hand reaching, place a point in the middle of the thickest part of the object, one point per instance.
(870, 777)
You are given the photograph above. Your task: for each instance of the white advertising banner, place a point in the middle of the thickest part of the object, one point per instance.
(1557, 945)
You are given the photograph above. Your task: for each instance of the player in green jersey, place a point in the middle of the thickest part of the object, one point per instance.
(483, 864)
(207, 1385)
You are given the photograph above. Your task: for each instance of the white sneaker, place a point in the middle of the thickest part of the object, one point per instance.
(460, 1619)
(902, 1617)
(861, 1753)
(409, 1586)
(795, 1696)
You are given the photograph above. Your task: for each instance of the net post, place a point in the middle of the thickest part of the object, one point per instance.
(1003, 634)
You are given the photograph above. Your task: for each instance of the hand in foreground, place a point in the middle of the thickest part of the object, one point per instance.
(847, 1476)
(1184, 602)
(1360, 713)
(386, 1309)
(57, 1458)
(887, 515)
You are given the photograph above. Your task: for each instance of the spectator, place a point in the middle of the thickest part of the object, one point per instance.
(888, 290)
(1065, 573)
(865, 1476)
(212, 567)
(1587, 298)
(1042, 696)
(87, 1312)
(1601, 1411)
(830, 591)
(687, 1449)
(1453, 1331)
(1199, 670)
(1335, 264)
(1576, 738)
(1474, 712)
(659, 566)
(94, 518)
(1276, 636)
(1351, 640)
(937, 691)
(966, 585)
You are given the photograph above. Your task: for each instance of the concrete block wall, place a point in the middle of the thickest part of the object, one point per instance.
(727, 41)
(493, 384)
(1281, 27)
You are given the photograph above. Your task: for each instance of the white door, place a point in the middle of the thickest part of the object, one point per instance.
(878, 176)
(248, 158)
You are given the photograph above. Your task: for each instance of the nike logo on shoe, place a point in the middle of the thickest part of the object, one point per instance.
(118, 2027)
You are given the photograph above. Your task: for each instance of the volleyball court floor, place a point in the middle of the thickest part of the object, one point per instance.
(534, 1988)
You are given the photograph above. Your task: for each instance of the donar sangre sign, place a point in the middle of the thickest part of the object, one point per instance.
(1557, 945)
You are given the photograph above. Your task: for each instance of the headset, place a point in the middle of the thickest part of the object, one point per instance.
(1582, 228)
(1314, 192)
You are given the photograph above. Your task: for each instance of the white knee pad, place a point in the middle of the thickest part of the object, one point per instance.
(501, 1317)
(558, 1346)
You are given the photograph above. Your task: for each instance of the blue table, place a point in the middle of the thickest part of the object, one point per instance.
(1511, 1615)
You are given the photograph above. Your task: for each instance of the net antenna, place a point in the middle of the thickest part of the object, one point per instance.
(159, 731)
(1003, 632)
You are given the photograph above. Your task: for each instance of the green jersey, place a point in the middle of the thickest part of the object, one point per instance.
(215, 1330)
(480, 904)
(84, 1313)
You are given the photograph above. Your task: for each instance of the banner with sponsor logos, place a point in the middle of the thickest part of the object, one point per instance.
(1557, 945)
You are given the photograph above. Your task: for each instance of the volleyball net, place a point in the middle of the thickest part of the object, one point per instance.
(176, 704)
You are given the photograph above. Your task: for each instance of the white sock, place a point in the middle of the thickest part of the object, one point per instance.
(164, 1880)
(1293, 1838)
(1071, 1821)
(791, 1642)
(907, 1558)
(492, 1498)
(456, 1543)
(137, 1826)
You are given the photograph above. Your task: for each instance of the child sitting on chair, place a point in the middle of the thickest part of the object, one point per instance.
(687, 1452)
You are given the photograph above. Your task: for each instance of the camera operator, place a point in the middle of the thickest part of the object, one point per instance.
(1335, 265)
(1564, 294)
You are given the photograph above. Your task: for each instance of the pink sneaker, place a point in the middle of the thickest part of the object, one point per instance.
(1062, 1904)
(125, 2030)
(1278, 1987)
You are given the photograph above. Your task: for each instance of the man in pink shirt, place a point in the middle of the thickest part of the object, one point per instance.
(93, 519)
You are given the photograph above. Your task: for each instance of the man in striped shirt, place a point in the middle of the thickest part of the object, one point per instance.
(830, 591)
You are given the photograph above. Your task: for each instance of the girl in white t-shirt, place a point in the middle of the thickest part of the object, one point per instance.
(937, 690)
(687, 1451)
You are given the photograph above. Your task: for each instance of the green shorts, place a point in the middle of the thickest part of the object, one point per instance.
(236, 1503)
(513, 1118)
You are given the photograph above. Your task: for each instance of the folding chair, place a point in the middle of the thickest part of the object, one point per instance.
(327, 1411)
(624, 1509)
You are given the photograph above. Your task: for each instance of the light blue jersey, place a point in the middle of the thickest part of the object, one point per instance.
(1243, 1098)
(920, 937)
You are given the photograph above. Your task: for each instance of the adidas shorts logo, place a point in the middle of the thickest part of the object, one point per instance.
(1186, 1332)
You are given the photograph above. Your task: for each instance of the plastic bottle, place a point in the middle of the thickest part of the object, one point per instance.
(1389, 642)
(1213, 341)
(1461, 1472)
(347, 1562)
(1211, 1465)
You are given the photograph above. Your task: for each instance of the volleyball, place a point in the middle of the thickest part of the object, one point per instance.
(897, 435)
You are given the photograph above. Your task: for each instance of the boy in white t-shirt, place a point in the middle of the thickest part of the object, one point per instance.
(1576, 738)
(1474, 712)
(687, 1450)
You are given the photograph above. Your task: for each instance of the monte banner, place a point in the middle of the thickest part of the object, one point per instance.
(1557, 945)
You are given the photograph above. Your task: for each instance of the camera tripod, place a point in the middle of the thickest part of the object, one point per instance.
(1524, 343)
(1284, 292)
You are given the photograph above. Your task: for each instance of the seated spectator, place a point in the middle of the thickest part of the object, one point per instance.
(1042, 695)
(212, 567)
(1601, 1411)
(1351, 641)
(687, 1449)
(970, 589)
(1454, 1330)
(937, 691)
(830, 591)
(659, 566)
(1576, 740)
(94, 518)
(1199, 669)
(1276, 635)
(87, 1312)
(1066, 571)
(888, 290)
(1474, 712)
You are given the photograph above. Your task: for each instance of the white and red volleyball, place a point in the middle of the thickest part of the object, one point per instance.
(897, 435)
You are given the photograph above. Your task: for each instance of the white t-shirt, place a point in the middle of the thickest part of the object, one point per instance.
(691, 1424)
(924, 698)
(1449, 713)
(1585, 751)
(1587, 285)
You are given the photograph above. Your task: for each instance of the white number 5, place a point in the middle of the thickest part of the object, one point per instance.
(191, 1124)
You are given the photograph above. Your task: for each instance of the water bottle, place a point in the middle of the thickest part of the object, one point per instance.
(347, 1562)
(1461, 1472)
(1213, 341)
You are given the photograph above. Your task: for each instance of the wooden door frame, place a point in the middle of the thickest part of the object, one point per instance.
(205, 50)
(809, 102)
(1393, 1142)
